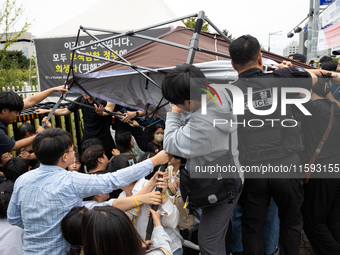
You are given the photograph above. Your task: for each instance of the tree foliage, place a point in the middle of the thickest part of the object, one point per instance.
(191, 22)
(10, 14)
(14, 66)
(226, 33)
(14, 59)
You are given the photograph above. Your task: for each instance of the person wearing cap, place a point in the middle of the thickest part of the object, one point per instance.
(298, 57)
(337, 52)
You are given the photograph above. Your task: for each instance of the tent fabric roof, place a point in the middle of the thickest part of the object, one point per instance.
(122, 85)
(120, 15)
(157, 55)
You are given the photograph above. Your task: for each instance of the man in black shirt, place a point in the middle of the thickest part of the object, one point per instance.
(268, 143)
(95, 125)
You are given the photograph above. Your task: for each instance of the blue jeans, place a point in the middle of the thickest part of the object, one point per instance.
(178, 252)
(270, 231)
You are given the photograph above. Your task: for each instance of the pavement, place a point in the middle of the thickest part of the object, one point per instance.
(305, 247)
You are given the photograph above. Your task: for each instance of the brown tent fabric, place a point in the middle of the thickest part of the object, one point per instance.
(122, 85)
(158, 55)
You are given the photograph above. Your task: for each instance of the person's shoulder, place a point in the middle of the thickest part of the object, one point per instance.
(151, 145)
(291, 72)
(25, 178)
(139, 185)
(3, 126)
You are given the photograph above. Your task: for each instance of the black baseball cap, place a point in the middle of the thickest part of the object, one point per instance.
(298, 57)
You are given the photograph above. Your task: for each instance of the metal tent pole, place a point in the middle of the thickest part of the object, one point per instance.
(194, 41)
(128, 32)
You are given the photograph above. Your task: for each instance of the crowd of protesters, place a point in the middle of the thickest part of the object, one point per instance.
(96, 199)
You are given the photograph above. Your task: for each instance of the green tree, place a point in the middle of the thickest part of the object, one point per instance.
(14, 66)
(191, 22)
(10, 14)
(226, 33)
(13, 59)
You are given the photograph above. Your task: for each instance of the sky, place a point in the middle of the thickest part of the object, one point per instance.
(258, 18)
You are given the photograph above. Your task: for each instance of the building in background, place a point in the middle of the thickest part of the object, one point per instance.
(292, 48)
(24, 44)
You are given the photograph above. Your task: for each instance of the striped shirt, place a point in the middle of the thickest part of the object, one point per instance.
(42, 197)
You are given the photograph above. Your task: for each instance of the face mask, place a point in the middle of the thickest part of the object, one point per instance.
(159, 138)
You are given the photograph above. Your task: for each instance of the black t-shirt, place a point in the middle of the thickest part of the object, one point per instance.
(7, 143)
(94, 125)
(152, 147)
(315, 126)
(268, 139)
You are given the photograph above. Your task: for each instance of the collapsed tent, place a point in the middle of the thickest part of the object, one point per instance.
(123, 85)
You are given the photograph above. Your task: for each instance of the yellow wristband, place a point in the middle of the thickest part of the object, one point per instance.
(136, 201)
(164, 195)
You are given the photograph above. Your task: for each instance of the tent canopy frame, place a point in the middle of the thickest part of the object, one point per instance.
(192, 48)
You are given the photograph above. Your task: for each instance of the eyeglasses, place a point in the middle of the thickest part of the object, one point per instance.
(73, 150)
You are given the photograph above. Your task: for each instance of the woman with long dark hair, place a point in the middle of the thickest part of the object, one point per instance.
(107, 230)
(71, 229)
(126, 144)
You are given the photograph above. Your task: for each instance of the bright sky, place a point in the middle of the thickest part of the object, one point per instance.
(258, 18)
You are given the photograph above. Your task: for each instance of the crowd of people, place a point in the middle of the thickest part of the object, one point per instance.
(102, 197)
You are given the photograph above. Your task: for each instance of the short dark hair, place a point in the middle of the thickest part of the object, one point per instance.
(183, 160)
(108, 230)
(178, 85)
(71, 227)
(123, 141)
(325, 59)
(6, 190)
(51, 144)
(157, 126)
(244, 51)
(24, 128)
(11, 100)
(89, 142)
(119, 162)
(14, 168)
(329, 65)
(90, 156)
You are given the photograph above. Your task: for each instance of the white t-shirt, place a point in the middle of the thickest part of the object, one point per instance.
(169, 217)
(90, 204)
(11, 238)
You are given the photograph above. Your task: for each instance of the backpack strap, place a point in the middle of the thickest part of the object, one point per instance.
(161, 249)
(165, 251)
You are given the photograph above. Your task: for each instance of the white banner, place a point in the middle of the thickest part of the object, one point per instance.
(332, 14)
(329, 37)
